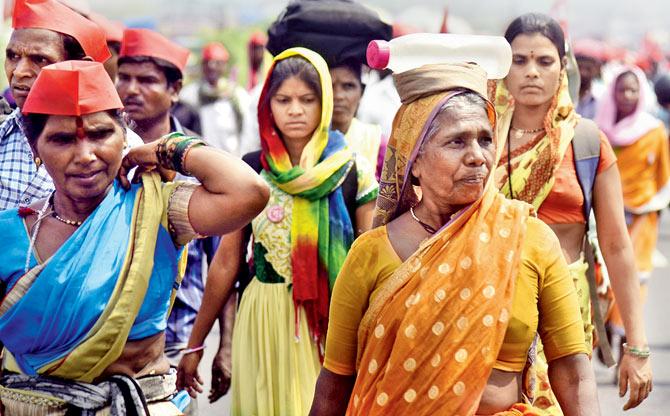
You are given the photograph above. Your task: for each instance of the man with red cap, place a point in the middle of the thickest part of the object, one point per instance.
(589, 55)
(256, 51)
(149, 81)
(221, 103)
(45, 32)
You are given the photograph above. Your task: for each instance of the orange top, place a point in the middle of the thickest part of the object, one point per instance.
(565, 202)
(645, 168)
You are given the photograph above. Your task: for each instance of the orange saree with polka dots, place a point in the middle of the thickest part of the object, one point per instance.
(428, 342)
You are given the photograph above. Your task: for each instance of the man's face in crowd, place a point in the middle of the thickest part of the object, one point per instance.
(213, 70)
(589, 69)
(144, 91)
(28, 51)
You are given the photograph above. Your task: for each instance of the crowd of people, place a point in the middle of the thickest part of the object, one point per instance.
(468, 252)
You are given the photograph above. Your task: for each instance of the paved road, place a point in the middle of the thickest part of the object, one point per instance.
(657, 310)
(222, 406)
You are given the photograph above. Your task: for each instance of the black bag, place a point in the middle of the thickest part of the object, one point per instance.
(338, 30)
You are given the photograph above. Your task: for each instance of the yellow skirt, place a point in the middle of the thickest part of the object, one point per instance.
(274, 371)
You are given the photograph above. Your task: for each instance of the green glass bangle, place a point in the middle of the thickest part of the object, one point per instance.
(180, 154)
(172, 148)
(643, 352)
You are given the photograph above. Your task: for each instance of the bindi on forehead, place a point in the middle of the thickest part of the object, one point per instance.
(80, 128)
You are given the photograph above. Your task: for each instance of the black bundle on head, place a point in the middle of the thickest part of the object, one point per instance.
(338, 30)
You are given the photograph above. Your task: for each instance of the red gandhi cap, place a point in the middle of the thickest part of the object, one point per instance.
(145, 42)
(215, 51)
(52, 15)
(258, 38)
(113, 29)
(72, 88)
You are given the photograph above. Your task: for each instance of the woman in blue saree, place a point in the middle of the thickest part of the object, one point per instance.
(90, 273)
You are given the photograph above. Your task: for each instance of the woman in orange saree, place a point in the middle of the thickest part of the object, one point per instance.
(435, 310)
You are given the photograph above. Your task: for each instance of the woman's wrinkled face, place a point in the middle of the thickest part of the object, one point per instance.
(534, 76)
(626, 94)
(82, 162)
(296, 109)
(454, 164)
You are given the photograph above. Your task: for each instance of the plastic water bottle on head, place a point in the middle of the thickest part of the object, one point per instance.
(404, 53)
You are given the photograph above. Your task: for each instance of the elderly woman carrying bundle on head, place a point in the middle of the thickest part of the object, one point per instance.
(435, 311)
(91, 271)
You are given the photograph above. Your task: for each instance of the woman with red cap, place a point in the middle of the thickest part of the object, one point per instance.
(91, 271)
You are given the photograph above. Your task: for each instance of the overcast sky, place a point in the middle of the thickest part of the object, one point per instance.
(623, 20)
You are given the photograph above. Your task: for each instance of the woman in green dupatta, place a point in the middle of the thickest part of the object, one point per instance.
(299, 244)
(91, 272)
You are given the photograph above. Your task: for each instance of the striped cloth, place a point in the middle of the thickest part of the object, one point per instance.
(21, 183)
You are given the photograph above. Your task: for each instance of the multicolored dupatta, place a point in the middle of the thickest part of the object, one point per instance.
(321, 230)
(533, 166)
(429, 340)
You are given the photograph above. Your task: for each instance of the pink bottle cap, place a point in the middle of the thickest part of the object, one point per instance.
(378, 54)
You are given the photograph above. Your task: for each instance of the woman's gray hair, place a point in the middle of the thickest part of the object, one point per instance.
(468, 98)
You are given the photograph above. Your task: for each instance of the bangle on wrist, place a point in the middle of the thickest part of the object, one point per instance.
(171, 151)
(192, 350)
(182, 155)
(640, 352)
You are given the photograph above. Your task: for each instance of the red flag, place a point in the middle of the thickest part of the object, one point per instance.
(445, 17)
(559, 11)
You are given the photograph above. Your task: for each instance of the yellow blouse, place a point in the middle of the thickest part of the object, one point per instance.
(543, 288)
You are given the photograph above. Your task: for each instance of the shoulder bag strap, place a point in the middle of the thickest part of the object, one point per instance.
(586, 148)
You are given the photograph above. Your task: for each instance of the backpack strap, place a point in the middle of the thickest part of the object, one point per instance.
(586, 149)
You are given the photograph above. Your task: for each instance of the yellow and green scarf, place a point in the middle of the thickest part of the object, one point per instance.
(533, 167)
